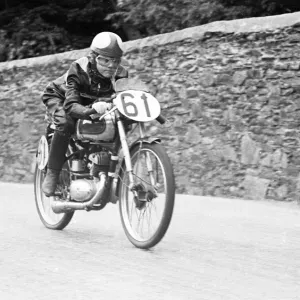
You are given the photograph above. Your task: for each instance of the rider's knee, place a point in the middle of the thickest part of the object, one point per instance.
(63, 122)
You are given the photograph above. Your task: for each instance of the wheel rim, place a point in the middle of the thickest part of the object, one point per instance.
(45, 203)
(143, 219)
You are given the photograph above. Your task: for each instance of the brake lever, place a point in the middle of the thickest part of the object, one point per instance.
(109, 112)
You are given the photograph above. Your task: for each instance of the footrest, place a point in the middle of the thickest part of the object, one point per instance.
(57, 194)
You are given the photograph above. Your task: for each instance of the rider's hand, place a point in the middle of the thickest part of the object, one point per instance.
(101, 107)
(113, 96)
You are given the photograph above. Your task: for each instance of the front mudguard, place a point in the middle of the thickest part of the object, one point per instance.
(115, 187)
(146, 140)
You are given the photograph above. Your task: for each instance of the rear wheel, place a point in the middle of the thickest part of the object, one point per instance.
(146, 218)
(50, 219)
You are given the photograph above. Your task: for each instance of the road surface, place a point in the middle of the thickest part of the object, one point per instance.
(215, 249)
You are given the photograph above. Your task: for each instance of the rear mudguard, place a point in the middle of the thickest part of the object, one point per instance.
(140, 141)
(42, 153)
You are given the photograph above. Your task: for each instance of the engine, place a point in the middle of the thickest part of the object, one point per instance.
(84, 189)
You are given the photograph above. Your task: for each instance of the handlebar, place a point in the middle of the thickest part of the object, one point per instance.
(161, 119)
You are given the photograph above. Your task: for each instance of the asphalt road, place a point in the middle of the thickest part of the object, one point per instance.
(214, 249)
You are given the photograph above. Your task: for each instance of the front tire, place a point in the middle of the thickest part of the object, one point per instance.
(155, 185)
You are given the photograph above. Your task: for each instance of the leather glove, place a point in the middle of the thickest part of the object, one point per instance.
(101, 107)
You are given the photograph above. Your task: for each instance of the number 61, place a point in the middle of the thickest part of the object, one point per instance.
(134, 111)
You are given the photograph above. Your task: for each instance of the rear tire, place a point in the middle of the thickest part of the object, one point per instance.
(161, 188)
(50, 219)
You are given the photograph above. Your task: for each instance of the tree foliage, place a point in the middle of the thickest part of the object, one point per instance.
(38, 27)
(160, 16)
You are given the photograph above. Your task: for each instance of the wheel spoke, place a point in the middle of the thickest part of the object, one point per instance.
(149, 218)
(139, 220)
(132, 208)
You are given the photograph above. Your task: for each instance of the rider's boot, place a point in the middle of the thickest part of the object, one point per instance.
(50, 182)
(58, 148)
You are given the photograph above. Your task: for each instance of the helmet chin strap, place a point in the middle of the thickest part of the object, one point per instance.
(113, 79)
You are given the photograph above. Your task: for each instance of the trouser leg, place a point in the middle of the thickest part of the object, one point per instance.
(59, 145)
(58, 149)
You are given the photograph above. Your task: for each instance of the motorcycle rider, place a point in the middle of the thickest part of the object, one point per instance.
(71, 97)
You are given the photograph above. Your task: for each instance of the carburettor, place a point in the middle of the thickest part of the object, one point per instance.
(100, 163)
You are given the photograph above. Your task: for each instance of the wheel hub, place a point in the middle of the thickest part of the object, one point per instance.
(143, 195)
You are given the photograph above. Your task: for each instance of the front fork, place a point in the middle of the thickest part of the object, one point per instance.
(127, 157)
(125, 148)
(148, 159)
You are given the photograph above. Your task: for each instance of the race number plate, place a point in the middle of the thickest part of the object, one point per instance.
(138, 105)
(43, 153)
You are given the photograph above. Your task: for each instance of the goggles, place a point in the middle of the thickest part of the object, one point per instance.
(107, 61)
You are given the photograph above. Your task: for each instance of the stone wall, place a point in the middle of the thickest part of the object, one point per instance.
(231, 91)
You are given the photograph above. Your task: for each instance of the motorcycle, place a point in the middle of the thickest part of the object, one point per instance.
(102, 167)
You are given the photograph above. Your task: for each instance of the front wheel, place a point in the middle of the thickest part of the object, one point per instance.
(147, 216)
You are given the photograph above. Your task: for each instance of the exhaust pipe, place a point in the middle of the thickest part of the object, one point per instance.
(66, 206)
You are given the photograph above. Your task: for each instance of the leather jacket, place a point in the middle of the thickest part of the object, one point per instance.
(78, 88)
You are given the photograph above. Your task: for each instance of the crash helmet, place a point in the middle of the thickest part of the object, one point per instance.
(107, 44)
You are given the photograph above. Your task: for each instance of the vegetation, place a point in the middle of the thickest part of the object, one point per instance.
(153, 17)
(39, 27)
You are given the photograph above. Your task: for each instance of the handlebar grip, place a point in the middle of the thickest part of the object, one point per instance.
(95, 116)
(161, 119)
